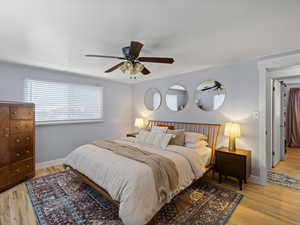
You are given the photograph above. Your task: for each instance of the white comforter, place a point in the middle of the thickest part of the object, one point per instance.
(131, 182)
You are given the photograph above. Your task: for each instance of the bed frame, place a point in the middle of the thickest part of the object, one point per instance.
(212, 131)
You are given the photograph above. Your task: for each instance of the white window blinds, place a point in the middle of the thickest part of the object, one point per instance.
(55, 101)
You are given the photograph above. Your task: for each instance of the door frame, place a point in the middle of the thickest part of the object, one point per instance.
(265, 117)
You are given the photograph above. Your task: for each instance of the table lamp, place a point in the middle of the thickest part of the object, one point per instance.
(139, 123)
(232, 130)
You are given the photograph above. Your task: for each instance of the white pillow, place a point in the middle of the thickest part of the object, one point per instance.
(165, 140)
(193, 137)
(197, 144)
(140, 138)
(159, 129)
(157, 139)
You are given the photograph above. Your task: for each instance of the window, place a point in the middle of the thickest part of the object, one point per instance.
(57, 102)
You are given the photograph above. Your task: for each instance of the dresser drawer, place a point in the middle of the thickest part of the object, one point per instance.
(231, 165)
(20, 140)
(21, 171)
(21, 153)
(22, 168)
(21, 112)
(21, 126)
(21, 146)
(4, 176)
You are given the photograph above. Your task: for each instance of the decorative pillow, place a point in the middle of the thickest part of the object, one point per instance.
(165, 140)
(156, 139)
(179, 137)
(159, 129)
(193, 137)
(197, 145)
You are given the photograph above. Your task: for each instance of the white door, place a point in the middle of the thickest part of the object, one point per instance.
(276, 125)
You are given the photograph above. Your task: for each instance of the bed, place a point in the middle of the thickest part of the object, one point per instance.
(130, 184)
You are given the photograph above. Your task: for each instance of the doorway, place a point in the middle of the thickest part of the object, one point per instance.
(285, 125)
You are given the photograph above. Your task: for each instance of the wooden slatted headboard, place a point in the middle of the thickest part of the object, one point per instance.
(212, 131)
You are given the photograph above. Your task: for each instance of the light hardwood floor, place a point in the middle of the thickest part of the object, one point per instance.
(291, 164)
(262, 205)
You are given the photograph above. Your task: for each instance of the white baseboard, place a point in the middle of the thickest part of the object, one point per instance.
(256, 180)
(50, 163)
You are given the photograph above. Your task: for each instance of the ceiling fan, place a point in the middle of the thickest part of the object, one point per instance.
(132, 61)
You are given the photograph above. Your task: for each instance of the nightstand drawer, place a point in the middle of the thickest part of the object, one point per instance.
(229, 164)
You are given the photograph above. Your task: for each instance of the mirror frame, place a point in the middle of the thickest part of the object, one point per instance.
(225, 93)
(152, 110)
(187, 101)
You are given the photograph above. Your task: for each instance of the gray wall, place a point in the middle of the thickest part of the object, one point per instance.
(56, 141)
(241, 83)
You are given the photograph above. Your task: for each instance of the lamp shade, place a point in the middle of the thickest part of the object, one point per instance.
(232, 130)
(139, 123)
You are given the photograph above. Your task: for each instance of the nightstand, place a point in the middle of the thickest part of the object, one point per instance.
(132, 134)
(235, 164)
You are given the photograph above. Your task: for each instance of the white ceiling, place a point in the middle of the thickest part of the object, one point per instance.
(197, 33)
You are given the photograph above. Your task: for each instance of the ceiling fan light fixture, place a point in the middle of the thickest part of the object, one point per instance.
(128, 65)
(123, 68)
(138, 67)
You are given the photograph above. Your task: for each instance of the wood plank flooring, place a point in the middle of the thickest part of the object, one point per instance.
(291, 164)
(262, 205)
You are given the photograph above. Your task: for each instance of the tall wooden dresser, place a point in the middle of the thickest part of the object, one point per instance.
(17, 143)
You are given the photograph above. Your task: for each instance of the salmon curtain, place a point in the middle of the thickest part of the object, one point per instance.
(293, 118)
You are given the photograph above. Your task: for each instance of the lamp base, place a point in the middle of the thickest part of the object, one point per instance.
(231, 146)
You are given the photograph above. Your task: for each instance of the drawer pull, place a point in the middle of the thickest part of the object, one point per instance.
(14, 112)
(18, 140)
(27, 138)
(18, 154)
(27, 151)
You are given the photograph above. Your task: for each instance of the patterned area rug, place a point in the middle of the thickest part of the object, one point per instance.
(284, 179)
(62, 199)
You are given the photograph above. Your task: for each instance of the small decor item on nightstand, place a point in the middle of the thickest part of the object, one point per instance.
(132, 134)
(232, 130)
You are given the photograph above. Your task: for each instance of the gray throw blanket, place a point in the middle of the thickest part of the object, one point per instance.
(164, 170)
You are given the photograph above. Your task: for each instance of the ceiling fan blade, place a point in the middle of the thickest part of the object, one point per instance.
(156, 60)
(135, 49)
(114, 67)
(105, 56)
(145, 71)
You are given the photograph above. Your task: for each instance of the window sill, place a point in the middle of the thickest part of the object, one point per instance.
(53, 123)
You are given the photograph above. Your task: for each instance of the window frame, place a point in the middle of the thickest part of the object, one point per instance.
(64, 122)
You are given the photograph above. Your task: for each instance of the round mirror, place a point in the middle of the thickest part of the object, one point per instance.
(152, 99)
(209, 95)
(176, 98)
